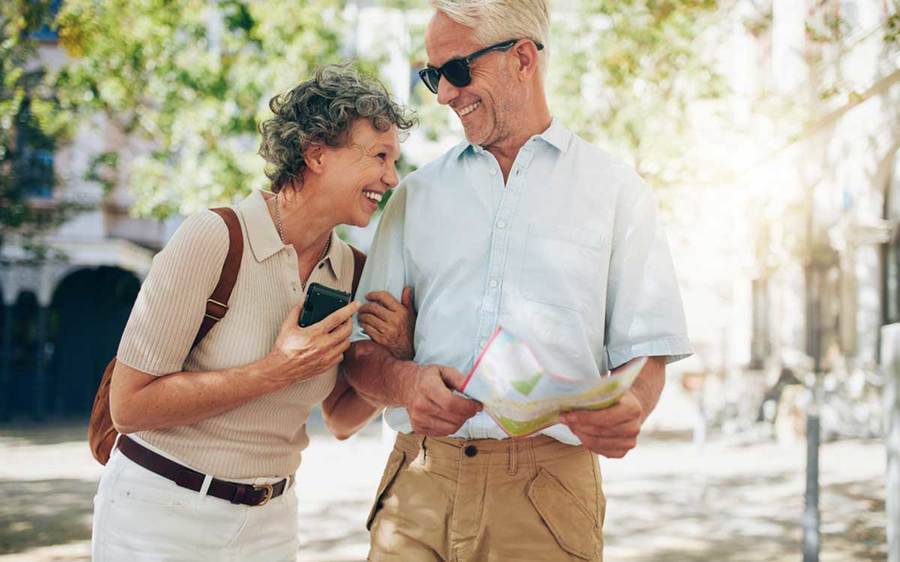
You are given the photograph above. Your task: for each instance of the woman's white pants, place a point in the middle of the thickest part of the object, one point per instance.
(140, 516)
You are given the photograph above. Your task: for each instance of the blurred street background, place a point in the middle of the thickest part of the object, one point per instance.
(769, 130)
(732, 501)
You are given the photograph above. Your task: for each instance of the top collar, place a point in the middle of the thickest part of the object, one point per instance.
(261, 231)
(263, 235)
(335, 255)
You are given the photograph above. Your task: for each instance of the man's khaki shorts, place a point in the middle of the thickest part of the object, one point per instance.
(505, 501)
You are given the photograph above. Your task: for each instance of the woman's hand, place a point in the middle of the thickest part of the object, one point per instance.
(303, 353)
(390, 323)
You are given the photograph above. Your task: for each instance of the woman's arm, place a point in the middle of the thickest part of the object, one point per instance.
(140, 401)
(345, 411)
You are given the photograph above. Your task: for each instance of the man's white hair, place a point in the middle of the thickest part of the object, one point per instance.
(494, 21)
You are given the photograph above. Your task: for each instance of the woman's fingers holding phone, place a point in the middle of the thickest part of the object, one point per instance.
(290, 321)
(336, 318)
(341, 334)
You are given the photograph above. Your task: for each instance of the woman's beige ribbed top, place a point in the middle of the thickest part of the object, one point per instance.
(265, 436)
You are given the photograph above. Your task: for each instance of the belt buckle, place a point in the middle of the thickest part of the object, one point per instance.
(267, 496)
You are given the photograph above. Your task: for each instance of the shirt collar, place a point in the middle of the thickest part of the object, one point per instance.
(261, 232)
(556, 135)
(335, 255)
(263, 235)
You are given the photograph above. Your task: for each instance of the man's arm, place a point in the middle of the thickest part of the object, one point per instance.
(613, 432)
(424, 390)
(377, 375)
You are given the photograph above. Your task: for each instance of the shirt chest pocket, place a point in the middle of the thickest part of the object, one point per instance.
(564, 265)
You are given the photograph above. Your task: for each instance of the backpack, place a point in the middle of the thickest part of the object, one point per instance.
(102, 434)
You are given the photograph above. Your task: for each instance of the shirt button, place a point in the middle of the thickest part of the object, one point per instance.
(494, 283)
(471, 451)
(501, 224)
(493, 172)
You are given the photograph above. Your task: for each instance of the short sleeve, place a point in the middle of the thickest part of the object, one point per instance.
(172, 301)
(385, 265)
(644, 312)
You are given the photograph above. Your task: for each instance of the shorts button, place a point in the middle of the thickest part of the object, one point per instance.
(471, 451)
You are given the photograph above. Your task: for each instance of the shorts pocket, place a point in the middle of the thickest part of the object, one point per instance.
(394, 464)
(564, 513)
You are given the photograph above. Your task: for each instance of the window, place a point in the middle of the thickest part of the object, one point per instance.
(46, 32)
(33, 165)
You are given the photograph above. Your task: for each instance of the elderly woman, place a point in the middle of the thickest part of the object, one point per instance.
(212, 435)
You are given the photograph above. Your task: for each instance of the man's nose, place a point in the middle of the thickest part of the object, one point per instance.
(447, 92)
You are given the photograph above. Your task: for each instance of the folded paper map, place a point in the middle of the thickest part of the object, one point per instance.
(523, 398)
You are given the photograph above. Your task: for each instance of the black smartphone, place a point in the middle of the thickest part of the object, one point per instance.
(320, 302)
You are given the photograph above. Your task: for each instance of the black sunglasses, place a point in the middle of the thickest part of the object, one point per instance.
(457, 71)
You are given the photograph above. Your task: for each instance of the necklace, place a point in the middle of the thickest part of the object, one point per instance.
(325, 250)
(280, 228)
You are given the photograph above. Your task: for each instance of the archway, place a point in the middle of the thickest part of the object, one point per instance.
(87, 315)
(5, 348)
(20, 387)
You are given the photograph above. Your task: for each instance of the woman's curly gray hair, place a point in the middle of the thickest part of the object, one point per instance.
(322, 111)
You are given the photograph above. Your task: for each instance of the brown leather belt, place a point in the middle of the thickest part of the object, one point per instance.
(244, 494)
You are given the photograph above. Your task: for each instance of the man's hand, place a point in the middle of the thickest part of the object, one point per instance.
(611, 432)
(614, 431)
(433, 408)
(390, 323)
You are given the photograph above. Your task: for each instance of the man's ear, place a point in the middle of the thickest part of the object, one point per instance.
(526, 59)
(314, 157)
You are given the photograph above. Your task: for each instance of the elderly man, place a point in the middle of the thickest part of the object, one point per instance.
(527, 226)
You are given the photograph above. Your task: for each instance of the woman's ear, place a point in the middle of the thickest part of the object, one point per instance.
(314, 156)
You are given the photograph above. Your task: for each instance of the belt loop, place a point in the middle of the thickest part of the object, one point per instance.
(512, 451)
(204, 488)
(115, 444)
(532, 457)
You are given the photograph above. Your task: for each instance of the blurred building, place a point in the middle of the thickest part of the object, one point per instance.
(61, 319)
(804, 239)
(828, 227)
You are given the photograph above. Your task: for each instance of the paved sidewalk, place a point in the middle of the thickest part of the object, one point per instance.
(666, 501)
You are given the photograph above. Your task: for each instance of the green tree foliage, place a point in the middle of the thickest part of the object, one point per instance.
(29, 130)
(191, 79)
(623, 73)
(630, 74)
(188, 81)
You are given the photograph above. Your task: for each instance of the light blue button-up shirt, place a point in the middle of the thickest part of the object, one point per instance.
(569, 255)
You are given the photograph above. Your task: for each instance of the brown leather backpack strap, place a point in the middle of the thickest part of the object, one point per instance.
(217, 304)
(359, 261)
(101, 432)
